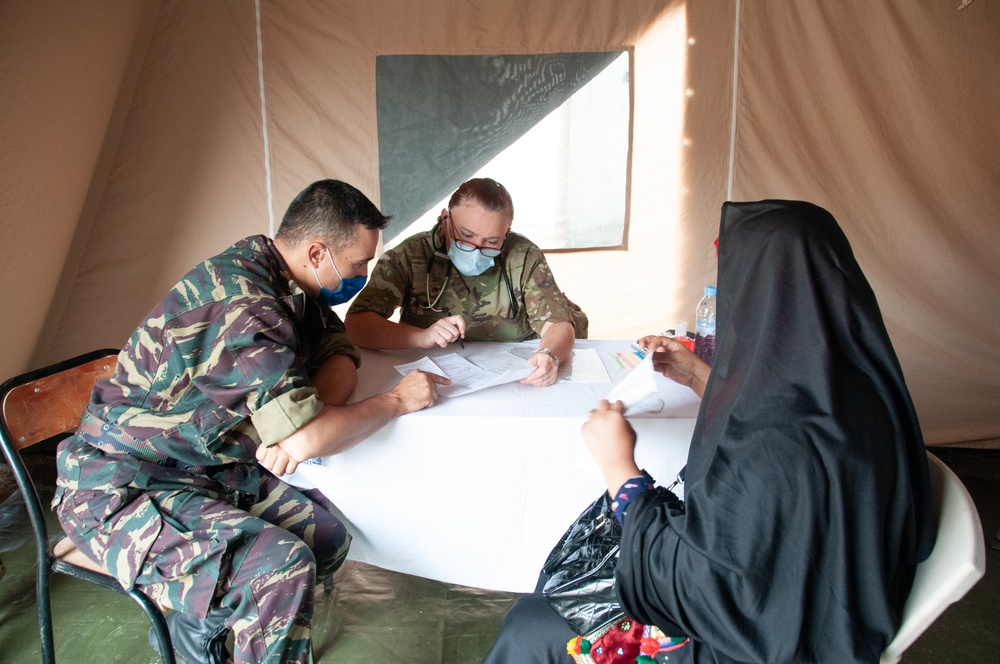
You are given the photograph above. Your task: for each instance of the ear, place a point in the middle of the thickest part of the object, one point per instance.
(445, 218)
(315, 253)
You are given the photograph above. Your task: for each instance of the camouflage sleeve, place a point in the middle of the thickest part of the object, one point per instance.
(282, 416)
(542, 298)
(257, 358)
(387, 287)
(335, 341)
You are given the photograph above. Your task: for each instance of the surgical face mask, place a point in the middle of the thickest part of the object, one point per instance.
(469, 263)
(347, 289)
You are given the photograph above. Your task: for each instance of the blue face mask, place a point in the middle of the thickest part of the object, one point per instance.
(347, 289)
(469, 263)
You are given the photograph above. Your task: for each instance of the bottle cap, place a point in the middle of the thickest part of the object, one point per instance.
(710, 290)
(681, 329)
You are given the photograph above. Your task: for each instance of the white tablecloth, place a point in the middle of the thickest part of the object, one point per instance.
(477, 489)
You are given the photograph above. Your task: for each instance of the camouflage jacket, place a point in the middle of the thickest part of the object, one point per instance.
(221, 365)
(427, 288)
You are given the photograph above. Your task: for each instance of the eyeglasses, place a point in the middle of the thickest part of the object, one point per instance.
(485, 251)
(488, 252)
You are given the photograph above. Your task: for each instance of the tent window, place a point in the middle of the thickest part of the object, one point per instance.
(553, 128)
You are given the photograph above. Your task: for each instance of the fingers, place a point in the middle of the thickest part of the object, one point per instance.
(451, 327)
(645, 341)
(459, 324)
(278, 467)
(613, 406)
(605, 407)
(609, 436)
(445, 331)
(652, 343)
(605, 412)
(440, 380)
(418, 390)
(418, 377)
(275, 459)
(545, 373)
(441, 335)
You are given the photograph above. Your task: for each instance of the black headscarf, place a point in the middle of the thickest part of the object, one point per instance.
(807, 496)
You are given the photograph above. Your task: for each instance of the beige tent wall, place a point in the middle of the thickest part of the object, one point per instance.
(885, 113)
(133, 146)
(63, 67)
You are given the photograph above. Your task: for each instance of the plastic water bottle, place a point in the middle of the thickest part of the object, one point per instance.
(704, 327)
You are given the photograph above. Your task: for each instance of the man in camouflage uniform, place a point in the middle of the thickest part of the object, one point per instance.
(240, 373)
(514, 299)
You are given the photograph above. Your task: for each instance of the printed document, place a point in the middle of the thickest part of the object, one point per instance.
(638, 390)
(465, 376)
(584, 365)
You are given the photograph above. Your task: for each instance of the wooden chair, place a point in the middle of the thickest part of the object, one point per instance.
(956, 563)
(45, 405)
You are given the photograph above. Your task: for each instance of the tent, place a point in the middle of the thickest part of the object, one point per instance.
(138, 137)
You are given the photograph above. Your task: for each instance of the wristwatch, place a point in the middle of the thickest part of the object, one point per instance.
(549, 353)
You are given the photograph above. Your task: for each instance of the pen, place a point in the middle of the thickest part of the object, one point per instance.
(461, 341)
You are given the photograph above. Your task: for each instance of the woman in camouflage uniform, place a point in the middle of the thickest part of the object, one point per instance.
(469, 278)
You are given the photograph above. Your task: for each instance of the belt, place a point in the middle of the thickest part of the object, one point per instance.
(113, 439)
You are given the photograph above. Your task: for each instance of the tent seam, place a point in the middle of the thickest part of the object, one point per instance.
(736, 86)
(263, 122)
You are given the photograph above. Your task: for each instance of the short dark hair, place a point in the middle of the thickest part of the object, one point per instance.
(331, 210)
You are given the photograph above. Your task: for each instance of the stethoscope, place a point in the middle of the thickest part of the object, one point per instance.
(427, 284)
(439, 252)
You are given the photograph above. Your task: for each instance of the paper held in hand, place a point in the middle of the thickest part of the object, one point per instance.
(465, 376)
(638, 390)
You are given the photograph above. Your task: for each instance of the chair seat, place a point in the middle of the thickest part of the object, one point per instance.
(66, 551)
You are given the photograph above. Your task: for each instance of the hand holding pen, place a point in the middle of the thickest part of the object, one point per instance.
(443, 332)
(461, 332)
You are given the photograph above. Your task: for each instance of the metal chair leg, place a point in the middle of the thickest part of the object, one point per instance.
(158, 623)
(45, 613)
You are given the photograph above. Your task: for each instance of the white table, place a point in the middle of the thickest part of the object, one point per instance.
(477, 489)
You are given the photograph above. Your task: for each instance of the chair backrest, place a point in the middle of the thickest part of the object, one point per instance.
(48, 402)
(956, 563)
(40, 405)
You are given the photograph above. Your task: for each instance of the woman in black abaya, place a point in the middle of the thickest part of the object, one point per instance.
(807, 497)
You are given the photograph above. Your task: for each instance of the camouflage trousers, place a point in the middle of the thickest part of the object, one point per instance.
(258, 559)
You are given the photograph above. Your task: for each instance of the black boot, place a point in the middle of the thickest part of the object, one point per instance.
(198, 640)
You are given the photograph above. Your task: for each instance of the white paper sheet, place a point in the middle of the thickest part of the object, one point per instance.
(465, 376)
(637, 391)
(584, 365)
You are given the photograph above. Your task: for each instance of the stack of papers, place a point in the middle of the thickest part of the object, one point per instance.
(465, 376)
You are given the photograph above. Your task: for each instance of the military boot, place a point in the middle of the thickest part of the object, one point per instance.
(198, 640)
